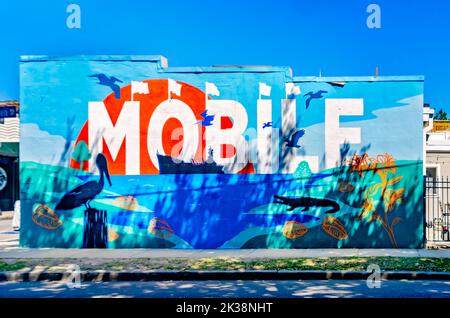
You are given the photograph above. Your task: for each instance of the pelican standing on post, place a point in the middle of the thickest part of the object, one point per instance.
(86, 192)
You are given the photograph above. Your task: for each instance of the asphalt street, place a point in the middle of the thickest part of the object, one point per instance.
(228, 289)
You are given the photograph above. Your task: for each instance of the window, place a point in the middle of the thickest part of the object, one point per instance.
(433, 174)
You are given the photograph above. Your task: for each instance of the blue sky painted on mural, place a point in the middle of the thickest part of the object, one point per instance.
(308, 35)
(385, 102)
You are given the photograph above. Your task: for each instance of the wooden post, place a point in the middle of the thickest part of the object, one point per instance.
(95, 229)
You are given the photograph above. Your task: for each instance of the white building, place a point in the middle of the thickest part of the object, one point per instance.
(436, 145)
(437, 168)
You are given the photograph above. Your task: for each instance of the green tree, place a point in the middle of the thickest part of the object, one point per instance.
(440, 115)
(303, 170)
(81, 153)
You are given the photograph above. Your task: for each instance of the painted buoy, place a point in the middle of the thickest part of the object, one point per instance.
(333, 227)
(294, 229)
(45, 217)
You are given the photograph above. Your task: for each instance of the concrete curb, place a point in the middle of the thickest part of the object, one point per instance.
(107, 276)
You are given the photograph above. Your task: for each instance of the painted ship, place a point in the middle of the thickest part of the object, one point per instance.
(169, 165)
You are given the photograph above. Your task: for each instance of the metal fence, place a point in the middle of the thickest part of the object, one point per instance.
(437, 205)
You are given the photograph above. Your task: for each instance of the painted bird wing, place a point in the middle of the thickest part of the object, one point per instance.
(208, 120)
(78, 195)
(84, 187)
(115, 79)
(308, 101)
(101, 77)
(322, 92)
(116, 89)
(204, 114)
(297, 135)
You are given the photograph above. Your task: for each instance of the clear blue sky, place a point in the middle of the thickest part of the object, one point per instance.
(307, 35)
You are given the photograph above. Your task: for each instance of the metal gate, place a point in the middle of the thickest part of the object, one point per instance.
(437, 205)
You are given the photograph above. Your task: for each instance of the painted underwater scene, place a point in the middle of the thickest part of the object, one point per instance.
(363, 204)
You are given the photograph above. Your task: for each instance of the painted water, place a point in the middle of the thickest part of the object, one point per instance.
(219, 210)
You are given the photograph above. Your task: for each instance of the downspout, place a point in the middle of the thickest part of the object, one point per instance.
(424, 156)
(424, 146)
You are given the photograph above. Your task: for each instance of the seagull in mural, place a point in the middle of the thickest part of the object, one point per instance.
(292, 141)
(207, 119)
(110, 82)
(312, 95)
(86, 192)
(268, 124)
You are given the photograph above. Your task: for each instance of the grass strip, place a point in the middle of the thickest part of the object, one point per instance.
(231, 263)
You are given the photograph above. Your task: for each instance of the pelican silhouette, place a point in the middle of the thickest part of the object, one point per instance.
(86, 192)
(312, 95)
(110, 82)
(292, 141)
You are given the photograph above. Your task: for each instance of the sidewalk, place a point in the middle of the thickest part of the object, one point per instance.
(9, 248)
(6, 215)
(193, 254)
(8, 237)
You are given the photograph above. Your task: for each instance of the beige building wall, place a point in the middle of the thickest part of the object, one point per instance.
(9, 130)
(440, 161)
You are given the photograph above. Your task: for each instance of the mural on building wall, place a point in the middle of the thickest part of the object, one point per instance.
(3, 179)
(124, 152)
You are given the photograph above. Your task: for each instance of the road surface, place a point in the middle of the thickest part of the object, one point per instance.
(232, 289)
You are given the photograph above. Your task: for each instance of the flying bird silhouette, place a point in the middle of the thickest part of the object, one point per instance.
(292, 141)
(268, 124)
(110, 82)
(86, 192)
(207, 119)
(312, 95)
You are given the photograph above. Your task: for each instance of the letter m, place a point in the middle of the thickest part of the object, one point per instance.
(126, 128)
